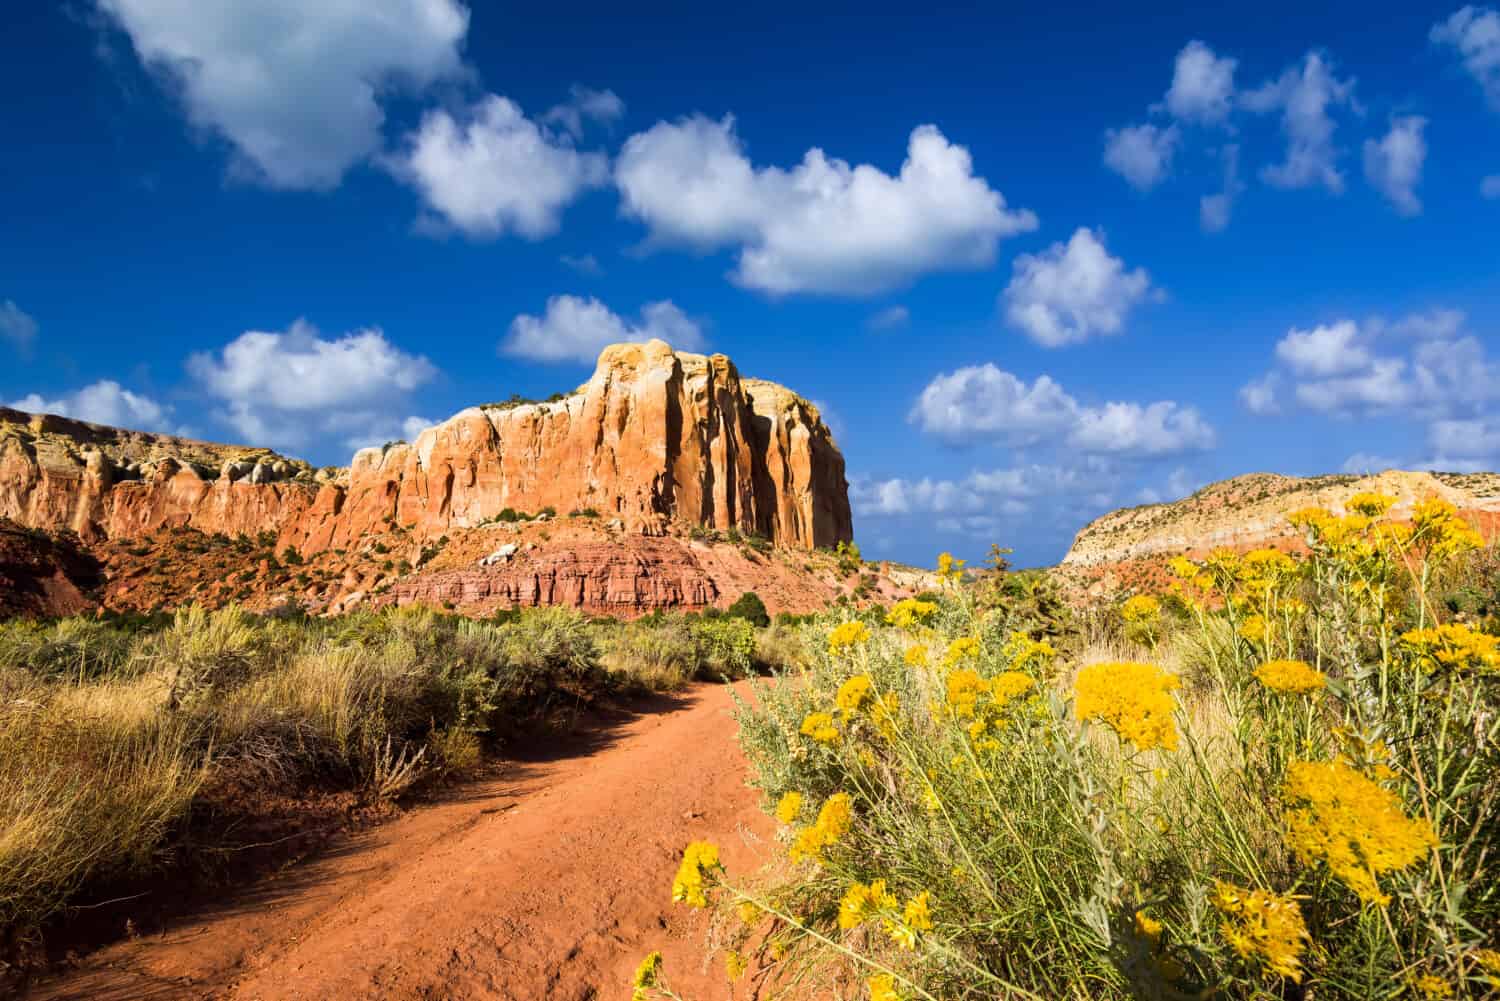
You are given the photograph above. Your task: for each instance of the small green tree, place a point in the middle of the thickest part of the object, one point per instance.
(750, 608)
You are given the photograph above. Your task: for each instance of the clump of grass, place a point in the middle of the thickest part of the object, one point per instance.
(663, 651)
(1287, 787)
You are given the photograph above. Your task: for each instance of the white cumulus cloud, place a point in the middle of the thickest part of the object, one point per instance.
(1425, 366)
(986, 402)
(1305, 95)
(1475, 33)
(1326, 349)
(295, 87)
(495, 171)
(1071, 292)
(1260, 395)
(822, 225)
(577, 329)
(287, 388)
(1202, 85)
(103, 402)
(1142, 154)
(1393, 164)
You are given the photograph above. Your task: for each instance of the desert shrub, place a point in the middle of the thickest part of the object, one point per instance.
(778, 648)
(726, 647)
(657, 653)
(77, 647)
(749, 607)
(1296, 793)
(849, 558)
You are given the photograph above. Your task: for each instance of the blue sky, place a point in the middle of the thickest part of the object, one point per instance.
(1033, 265)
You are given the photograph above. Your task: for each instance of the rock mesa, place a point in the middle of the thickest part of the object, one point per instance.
(656, 437)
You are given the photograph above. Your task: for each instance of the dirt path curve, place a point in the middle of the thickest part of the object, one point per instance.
(550, 882)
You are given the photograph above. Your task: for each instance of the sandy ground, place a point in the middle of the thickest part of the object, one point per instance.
(549, 882)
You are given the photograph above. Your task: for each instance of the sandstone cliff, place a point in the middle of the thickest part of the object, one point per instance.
(1250, 511)
(655, 438)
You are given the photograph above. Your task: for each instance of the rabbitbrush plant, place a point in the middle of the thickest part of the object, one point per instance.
(1288, 787)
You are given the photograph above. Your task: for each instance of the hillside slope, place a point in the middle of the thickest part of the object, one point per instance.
(1251, 511)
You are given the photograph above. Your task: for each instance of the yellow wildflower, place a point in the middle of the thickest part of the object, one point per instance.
(916, 917)
(1295, 676)
(1432, 987)
(834, 820)
(1142, 609)
(748, 911)
(836, 816)
(1489, 962)
(847, 636)
(1147, 926)
(1182, 567)
(964, 689)
(1367, 503)
(909, 613)
(1454, 647)
(862, 903)
(1253, 628)
(820, 727)
(918, 912)
(1022, 651)
(1436, 523)
(949, 568)
(1358, 828)
(647, 977)
(1008, 685)
(915, 656)
(883, 988)
(963, 648)
(700, 859)
(1130, 698)
(1264, 926)
(735, 965)
(854, 694)
(788, 807)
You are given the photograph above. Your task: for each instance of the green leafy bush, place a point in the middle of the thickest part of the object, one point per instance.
(749, 607)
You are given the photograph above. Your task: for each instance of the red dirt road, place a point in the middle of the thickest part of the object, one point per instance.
(549, 882)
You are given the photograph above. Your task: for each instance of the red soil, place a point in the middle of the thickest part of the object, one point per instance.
(552, 881)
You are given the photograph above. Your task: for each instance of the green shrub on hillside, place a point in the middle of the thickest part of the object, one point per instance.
(749, 607)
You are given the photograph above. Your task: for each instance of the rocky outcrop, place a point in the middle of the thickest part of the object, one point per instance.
(601, 577)
(1251, 511)
(44, 576)
(654, 438)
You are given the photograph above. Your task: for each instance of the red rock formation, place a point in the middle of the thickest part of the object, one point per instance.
(44, 576)
(623, 579)
(654, 437)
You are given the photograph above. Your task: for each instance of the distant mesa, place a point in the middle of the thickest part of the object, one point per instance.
(1250, 511)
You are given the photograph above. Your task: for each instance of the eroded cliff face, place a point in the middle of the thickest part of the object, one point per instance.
(654, 438)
